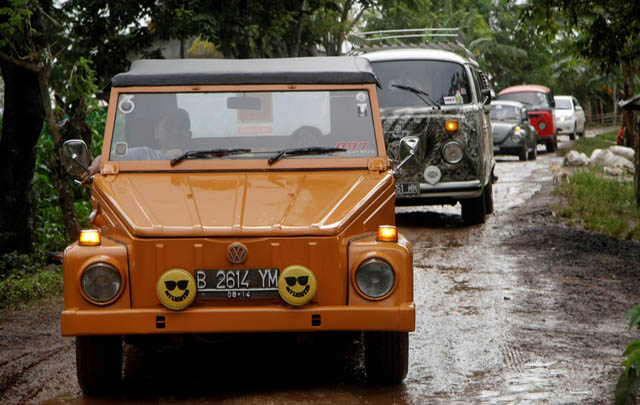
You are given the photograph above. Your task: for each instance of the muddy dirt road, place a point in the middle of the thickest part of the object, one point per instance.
(519, 310)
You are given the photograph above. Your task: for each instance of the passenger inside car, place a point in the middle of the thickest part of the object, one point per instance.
(172, 133)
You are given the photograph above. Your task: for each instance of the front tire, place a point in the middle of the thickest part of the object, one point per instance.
(533, 155)
(386, 357)
(99, 364)
(522, 155)
(552, 146)
(488, 196)
(572, 135)
(474, 209)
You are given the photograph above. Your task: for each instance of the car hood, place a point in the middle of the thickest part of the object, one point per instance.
(501, 130)
(250, 204)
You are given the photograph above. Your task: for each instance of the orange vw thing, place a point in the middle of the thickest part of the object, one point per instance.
(239, 196)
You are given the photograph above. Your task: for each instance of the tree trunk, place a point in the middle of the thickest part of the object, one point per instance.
(22, 125)
(615, 103)
(630, 124)
(60, 178)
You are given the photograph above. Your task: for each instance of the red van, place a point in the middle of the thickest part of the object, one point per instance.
(540, 103)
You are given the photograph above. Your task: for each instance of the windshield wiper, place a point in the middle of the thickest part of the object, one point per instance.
(199, 154)
(418, 92)
(311, 150)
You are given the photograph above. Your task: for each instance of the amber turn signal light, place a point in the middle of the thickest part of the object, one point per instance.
(387, 233)
(89, 237)
(451, 125)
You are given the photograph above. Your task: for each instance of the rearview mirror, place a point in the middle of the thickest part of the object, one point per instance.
(244, 103)
(75, 157)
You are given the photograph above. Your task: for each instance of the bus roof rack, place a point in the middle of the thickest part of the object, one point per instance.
(446, 39)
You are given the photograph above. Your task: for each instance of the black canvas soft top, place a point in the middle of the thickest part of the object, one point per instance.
(307, 70)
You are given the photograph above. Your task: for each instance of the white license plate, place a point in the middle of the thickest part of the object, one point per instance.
(405, 189)
(246, 283)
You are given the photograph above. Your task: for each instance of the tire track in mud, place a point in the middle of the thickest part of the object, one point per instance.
(36, 363)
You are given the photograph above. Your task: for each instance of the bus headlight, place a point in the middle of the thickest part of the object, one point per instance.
(452, 152)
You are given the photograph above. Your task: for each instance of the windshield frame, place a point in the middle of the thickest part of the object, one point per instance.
(258, 163)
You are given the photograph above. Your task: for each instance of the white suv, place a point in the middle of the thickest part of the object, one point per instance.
(569, 116)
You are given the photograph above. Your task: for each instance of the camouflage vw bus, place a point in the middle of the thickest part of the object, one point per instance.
(435, 113)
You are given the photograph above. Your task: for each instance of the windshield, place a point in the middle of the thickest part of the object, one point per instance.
(445, 82)
(504, 113)
(532, 98)
(163, 126)
(563, 104)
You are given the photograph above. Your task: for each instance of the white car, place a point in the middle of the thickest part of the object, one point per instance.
(569, 116)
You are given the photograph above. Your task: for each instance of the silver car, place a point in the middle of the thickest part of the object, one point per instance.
(569, 116)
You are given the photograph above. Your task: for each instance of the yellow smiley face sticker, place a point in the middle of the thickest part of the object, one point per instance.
(176, 289)
(297, 285)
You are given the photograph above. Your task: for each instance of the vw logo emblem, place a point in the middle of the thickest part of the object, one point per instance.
(237, 253)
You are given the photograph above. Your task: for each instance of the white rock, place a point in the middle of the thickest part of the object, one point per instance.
(594, 154)
(623, 151)
(608, 159)
(613, 171)
(574, 158)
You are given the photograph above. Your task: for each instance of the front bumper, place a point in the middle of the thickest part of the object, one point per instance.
(507, 150)
(454, 189)
(508, 146)
(274, 318)
(565, 127)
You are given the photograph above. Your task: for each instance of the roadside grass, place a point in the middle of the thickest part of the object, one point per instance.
(588, 145)
(599, 203)
(25, 279)
(603, 141)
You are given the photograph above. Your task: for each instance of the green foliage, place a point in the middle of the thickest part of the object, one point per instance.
(16, 20)
(601, 204)
(22, 280)
(15, 261)
(49, 230)
(21, 287)
(629, 380)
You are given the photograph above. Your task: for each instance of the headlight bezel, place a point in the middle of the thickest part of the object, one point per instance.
(93, 265)
(369, 260)
(449, 145)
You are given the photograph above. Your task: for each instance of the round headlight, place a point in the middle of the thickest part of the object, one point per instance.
(452, 152)
(542, 125)
(101, 282)
(516, 137)
(375, 278)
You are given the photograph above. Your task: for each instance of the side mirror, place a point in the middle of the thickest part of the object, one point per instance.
(486, 93)
(75, 157)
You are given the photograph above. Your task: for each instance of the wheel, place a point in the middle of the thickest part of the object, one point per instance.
(522, 155)
(488, 196)
(474, 209)
(533, 155)
(552, 146)
(386, 357)
(572, 135)
(99, 363)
